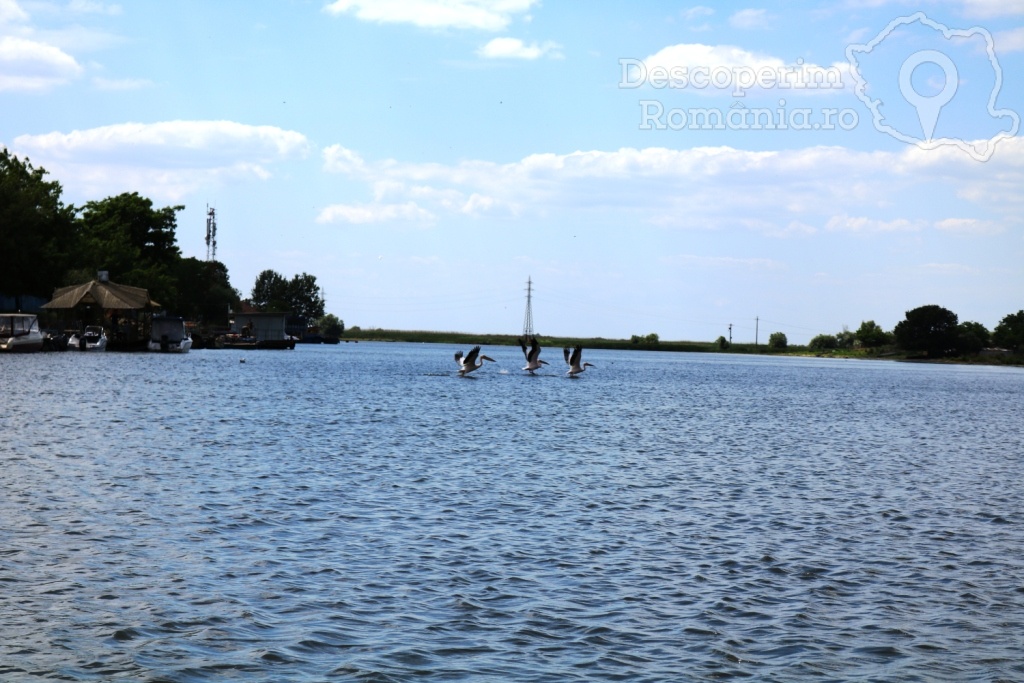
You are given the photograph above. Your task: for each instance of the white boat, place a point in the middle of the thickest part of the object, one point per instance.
(19, 332)
(169, 335)
(93, 339)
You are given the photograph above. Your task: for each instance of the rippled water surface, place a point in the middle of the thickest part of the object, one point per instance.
(360, 513)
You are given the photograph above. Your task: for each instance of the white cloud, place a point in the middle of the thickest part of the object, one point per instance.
(167, 159)
(1009, 41)
(31, 65)
(696, 18)
(171, 138)
(11, 13)
(374, 213)
(750, 19)
(863, 224)
(478, 204)
(969, 226)
(93, 7)
(792, 229)
(513, 48)
(486, 15)
(338, 159)
(697, 13)
(988, 9)
(977, 9)
(827, 189)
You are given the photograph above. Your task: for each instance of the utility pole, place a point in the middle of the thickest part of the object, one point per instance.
(757, 322)
(730, 334)
(528, 319)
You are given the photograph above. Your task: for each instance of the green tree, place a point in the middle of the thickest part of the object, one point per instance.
(845, 339)
(36, 230)
(931, 329)
(972, 337)
(133, 241)
(777, 341)
(823, 342)
(651, 339)
(204, 291)
(305, 298)
(722, 343)
(270, 292)
(300, 296)
(871, 335)
(331, 326)
(1009, 333)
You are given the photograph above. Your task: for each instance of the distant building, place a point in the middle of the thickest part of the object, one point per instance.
(260, 326)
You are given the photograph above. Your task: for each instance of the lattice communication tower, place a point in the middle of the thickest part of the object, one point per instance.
(211, 233)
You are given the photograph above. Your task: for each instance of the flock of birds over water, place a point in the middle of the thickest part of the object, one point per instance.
(475, 360)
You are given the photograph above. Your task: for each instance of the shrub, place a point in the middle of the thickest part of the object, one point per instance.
(824, 342)
(777, 341)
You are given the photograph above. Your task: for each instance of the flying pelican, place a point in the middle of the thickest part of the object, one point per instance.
(573, 361)
(533, 361)
(469, 363)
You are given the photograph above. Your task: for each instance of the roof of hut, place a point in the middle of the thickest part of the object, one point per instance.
(107, 295)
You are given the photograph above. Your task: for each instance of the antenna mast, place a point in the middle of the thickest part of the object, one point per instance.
(528, 319)
(211, 233)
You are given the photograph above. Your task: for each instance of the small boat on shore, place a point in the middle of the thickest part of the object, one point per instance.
(19, 333)
(169, 335)
(92, 339)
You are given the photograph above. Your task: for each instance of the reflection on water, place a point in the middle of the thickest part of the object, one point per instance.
(361, 513)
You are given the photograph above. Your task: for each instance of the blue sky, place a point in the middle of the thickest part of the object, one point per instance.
(653, 166)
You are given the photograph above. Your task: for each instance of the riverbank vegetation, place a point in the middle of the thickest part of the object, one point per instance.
(928, 333)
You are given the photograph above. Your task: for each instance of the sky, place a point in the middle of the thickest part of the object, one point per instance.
(650, 167)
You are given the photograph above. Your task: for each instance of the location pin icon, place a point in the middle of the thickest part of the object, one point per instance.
(928, 108)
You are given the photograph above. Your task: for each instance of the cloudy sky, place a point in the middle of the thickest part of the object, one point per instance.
(652, 166)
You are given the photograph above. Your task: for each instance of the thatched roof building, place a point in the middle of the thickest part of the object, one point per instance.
(104, 294)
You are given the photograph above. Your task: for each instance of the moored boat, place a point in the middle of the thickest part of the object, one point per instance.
(92, 339)
(169, 335)
(19, 333)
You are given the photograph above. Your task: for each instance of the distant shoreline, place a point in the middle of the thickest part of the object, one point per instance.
(467, 338)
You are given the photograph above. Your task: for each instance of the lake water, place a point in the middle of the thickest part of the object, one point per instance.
(360, 513)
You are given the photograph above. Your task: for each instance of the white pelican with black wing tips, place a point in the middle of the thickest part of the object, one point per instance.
(470, 362)
(533, 361)
(574, 359)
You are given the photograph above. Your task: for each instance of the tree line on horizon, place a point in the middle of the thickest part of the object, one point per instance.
(48, 244)
(930, 330)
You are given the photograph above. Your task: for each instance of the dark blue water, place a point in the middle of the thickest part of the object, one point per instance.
(360, 513)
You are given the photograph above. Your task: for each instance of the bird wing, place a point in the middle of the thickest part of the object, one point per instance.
(458, 357)
(576, 354)
(565, 353)
(522, 345)
(534, 349)
(471, 356)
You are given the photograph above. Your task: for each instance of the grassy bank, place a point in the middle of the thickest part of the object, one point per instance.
(466, 339)
(472, 339)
